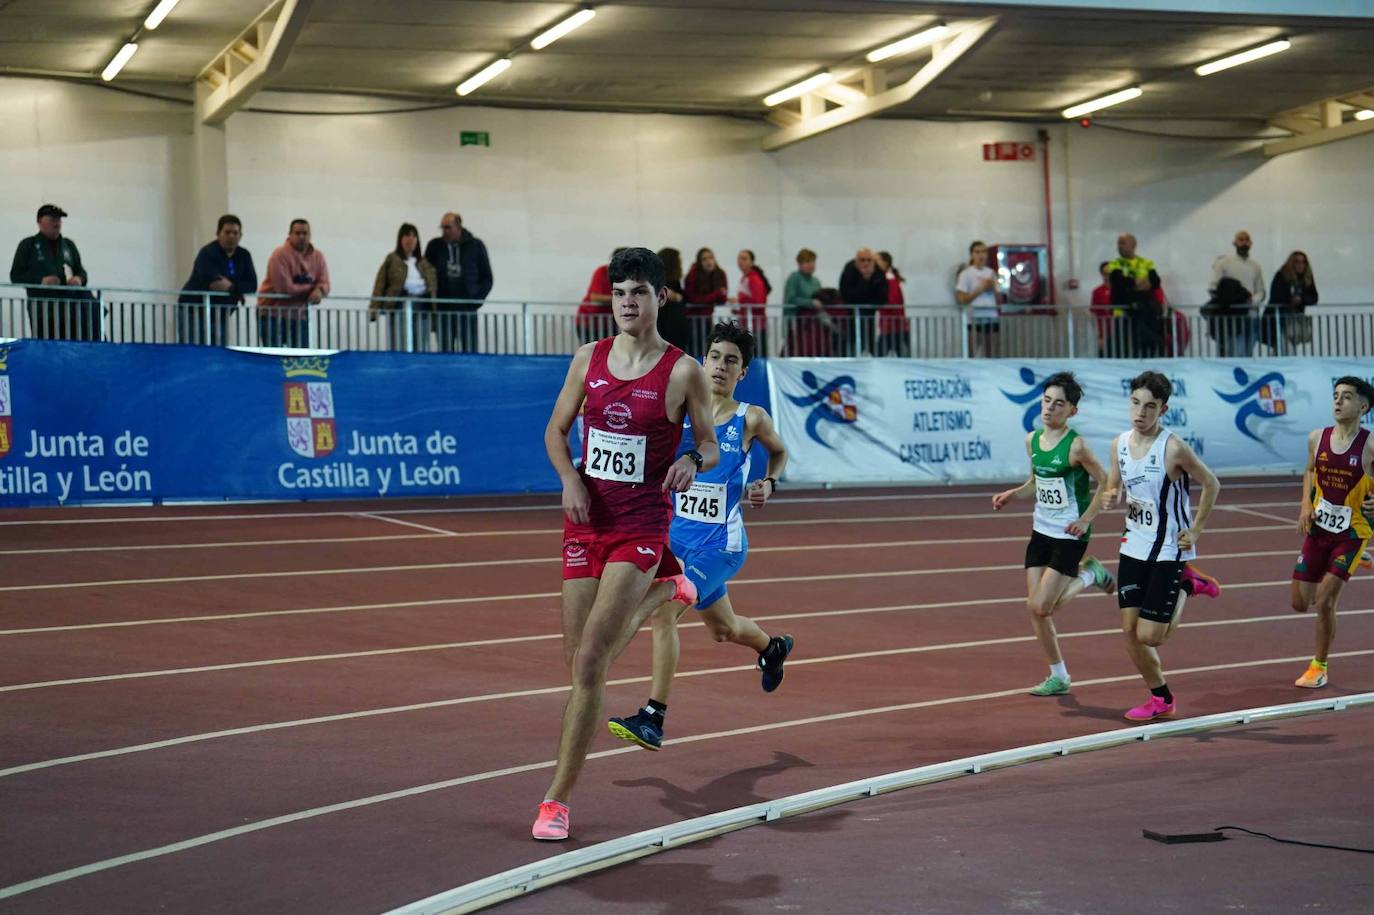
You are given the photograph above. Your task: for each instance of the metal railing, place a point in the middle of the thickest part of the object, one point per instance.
(914, 331)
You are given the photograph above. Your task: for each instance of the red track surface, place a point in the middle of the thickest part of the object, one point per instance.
(329, 612)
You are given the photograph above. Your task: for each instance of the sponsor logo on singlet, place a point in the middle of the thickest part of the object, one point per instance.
(617, 415)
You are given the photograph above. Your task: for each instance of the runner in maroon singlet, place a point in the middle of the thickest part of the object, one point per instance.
(637, 388)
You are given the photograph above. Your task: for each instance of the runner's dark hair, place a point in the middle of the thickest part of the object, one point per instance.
(639, 264)
(1073, 391)
(1154, 382)
(730, 332)
(1362, 388)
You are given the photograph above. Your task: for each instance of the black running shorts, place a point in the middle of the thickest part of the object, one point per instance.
(1150, 586)
(1051, 552)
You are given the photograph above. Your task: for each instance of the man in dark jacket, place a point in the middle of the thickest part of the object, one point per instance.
(862, 283)
(222, 273)
(464, 272)
(1135, 284)
(48, 263)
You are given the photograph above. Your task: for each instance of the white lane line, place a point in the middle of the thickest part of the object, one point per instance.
(1291, 520)
(423, 527)
(441, 532)
(510, 640)
(247, 828)
(623, 681)
(496, 563)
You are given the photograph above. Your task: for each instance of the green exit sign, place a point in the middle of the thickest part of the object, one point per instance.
(474, 138)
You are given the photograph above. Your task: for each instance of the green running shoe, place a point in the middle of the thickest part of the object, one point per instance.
(1101, 577)
(1053, 686)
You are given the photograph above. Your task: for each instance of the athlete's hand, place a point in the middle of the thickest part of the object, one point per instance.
(576, 503)
(1187, 538)
(1367, 506)
(1000, 500)
(1305, 517)
(1077, 528)
(1111, 497)
(680, 475)
(759, 491)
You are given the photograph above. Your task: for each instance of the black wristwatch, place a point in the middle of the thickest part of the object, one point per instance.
(772, 482)
(696, 457)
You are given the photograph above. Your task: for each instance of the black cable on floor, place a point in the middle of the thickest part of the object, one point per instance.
(1265, 835)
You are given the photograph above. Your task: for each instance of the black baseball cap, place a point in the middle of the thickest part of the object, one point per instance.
(51, 209)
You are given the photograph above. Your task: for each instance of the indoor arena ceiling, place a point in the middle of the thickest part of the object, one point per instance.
(716, 55)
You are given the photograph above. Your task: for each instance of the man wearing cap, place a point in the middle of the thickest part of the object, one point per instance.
(48, 263)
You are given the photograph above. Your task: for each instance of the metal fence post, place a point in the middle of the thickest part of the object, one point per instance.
(1069, 326)
(527, 329)
(963, 336)
(408, 315)
(1279, 341)
(205, 319)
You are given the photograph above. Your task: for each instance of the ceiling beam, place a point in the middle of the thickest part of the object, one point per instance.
(1359, 99)
(955, 48)
(245, 65)
(1295, 124)
(1318, 137)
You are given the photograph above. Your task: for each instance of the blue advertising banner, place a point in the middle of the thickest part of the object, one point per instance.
(92, 422)
(887, 420)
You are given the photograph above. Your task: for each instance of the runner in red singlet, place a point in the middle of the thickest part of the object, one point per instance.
(637, 389)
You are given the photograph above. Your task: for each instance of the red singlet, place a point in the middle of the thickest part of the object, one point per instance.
(628, 444)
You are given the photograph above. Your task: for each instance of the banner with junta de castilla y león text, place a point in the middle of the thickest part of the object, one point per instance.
(94, 422)
(883, 420)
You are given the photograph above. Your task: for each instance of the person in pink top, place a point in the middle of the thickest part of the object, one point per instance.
(633, 391)
(752, 300)
(297, 277)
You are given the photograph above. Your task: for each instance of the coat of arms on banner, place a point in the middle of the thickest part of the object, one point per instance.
(6, 412)
(310, 428)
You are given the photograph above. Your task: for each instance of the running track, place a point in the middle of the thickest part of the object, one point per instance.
(346, 707)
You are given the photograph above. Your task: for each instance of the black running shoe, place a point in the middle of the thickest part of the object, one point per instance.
(638, 728)
(772, 659)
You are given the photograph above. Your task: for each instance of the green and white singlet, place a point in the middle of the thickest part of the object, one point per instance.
(1061, 490)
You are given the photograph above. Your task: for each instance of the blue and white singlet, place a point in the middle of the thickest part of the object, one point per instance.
(708, 516)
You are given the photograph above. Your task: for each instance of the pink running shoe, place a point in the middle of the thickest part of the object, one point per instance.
(686, 593)
(1155, 708)
(551, 825)
(1204, 585)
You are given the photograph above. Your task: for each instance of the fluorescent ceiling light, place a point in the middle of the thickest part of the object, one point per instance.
(159, 13)
(1244, 57)
(567, 25)
(797, 91)
(1106, 101)
(1364, 115)
(114, 66)
(484, 75)
(910, 43)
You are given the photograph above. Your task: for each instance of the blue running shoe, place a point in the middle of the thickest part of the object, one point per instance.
(772, 659)
(638, 728)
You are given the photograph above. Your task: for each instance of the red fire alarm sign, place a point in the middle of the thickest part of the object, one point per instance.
(1008, 151)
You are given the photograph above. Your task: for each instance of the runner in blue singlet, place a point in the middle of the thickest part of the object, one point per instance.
(708, 538)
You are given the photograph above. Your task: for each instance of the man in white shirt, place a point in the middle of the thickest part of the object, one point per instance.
(1235, 329)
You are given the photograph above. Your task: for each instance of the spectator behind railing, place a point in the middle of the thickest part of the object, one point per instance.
(672, 315)
(893, 336)
(976, 288)
(1293, 289)
(464, 272)
(405, 275)
(705, 287)
(47, 263)
(594, 314)
(1101, 308)
(808, 324)
(752, 299)
(1236, 288)
(297, 277)
(1135, 286)
(224, 272)
(861, 284)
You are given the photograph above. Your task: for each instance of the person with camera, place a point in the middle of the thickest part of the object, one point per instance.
(297, 277)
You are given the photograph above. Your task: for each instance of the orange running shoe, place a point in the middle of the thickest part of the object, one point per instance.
(1313, 678)
(551, 825)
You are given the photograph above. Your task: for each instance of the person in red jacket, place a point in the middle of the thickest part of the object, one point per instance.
(894, 330)
(704, 287)
(594, 314)
(753, 296)
(1101, 308)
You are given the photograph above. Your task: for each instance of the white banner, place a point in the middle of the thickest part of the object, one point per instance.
(883, 420)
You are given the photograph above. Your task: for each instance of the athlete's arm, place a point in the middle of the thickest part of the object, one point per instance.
(1000, 500)
(565, 409)
(1109, 496)
(758, 426)
(1367, 506)
(1308, 477)
(1080, 455)
(1186, 460)
(689, 378)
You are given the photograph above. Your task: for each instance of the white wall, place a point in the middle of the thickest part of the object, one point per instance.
(556, 191)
